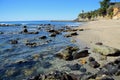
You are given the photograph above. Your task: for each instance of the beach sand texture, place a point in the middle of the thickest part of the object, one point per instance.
(105, 31)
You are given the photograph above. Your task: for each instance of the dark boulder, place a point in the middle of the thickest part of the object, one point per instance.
(33, 44)
(74, 34)
(25, 30)
(67, 35)
(52, 30)
(75, 66)
(42, 37)
(81, 29)
(1, 32)
(13, 42)
(117, 61)
(99, 43)
(94, 64)
(71, 34)
(67, 53)
(80, 54)
(71, 53)
(90, 59)
(53, 35)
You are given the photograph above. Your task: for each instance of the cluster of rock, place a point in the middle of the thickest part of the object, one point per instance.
(25, 30)
(9, 24)
(104, 73)
(71, 53)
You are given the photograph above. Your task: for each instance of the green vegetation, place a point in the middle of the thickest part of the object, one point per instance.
(102, 11)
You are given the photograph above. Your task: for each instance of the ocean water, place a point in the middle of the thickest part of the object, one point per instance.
(18, 61)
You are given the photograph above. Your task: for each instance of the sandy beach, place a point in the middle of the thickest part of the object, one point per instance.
(105, 31)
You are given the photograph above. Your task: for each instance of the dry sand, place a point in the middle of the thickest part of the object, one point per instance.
(105, 31)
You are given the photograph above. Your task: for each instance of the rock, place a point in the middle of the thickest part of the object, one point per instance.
(53, 35)
(70, 48)
(67, 35)
(33, 44)
(33, 32)
(117, 61)
(71, 34)
(75, 66)
(13, 42)
(106, 51)
(74, 34)
(83, 69)
(81, 29)
(71, 53)
(1, 32)
(103, 71)
(99, 43)
(80, 54)
(24, 26)
(94, 64)
(66, 53)
(57, 32)
(52, 30)
(90, 59)
(25, 30)
(42, 37)
(117, 73)
(111, 68)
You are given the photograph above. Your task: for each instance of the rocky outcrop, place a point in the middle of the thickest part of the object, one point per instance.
(106, 51)
(71, 53)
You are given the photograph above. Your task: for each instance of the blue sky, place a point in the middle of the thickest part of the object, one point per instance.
(11, 10)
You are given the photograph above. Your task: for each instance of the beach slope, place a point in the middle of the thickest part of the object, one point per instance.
(104, 31)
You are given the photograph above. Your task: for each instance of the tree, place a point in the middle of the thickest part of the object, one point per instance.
(104, 6)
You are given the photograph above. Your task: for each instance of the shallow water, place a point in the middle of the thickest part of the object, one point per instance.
(18, 61)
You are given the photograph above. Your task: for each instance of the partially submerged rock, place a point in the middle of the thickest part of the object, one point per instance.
(52, 35)
(1, 32)
(71, 53)
(75, 66)
(42, 37)
(35, 32)
(13, 42)
(32, 44)
(71, 34)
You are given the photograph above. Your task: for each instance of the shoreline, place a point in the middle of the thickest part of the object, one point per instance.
(104, 31)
